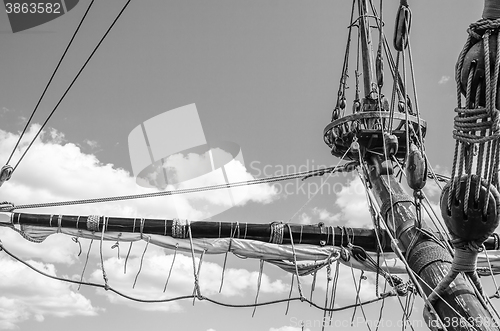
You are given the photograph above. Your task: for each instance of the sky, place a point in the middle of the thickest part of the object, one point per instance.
(263, 75)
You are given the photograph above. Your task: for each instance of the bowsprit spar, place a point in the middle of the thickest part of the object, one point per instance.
(414, 251)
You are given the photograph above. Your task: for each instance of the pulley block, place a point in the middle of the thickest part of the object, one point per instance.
(474, 63)
(416, 168)
(471, 223)
(391, 144)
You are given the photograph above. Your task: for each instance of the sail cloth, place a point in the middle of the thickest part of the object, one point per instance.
(309, 258)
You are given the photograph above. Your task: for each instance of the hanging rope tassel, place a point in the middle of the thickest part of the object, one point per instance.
(259, 281)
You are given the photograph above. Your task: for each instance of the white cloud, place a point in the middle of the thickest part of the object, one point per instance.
(353, 205)
(325, 215)
(305, 219)
(444, 80)
(92, 144)
(56, 170)
(26, 294)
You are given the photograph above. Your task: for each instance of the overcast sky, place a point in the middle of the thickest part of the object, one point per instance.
(263, 75)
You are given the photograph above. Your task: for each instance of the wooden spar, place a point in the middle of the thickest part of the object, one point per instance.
(318, 234)
(427, 258)
(311, 234)
(366, 48)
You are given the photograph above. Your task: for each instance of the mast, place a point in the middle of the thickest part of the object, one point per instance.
(429, 260)
(366, 48)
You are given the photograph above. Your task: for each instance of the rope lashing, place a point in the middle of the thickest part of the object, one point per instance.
(277, 230)
(93, 223)
(179, 228)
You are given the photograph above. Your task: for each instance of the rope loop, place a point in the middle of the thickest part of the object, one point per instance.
(477, 29)
(7, 206)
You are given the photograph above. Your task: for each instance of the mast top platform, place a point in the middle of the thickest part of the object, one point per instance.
(368, 128)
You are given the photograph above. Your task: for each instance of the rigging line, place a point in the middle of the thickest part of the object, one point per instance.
(381, 308)
(435, 221)
(415, 97)
(409, 270)
(371, 200)
(67, 280)
(71, 85)
(319, 189)
(494, 281)
(104, 222)
(343, 79)
(413, 275)
(358, 289)
(50, 81)
(446, 302)
(171, 267)
(182, 191)
(85, 265)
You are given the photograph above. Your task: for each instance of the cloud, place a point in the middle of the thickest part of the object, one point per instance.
(92, 144)
(444, 80)
(325, 215)
(26, 294)
(305, 219)
(353, 206)
(57, 170)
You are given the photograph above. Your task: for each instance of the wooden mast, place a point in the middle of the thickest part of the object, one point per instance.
(430, 261)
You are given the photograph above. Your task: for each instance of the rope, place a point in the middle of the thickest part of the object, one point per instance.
(181, 191)
(171, 267)
(50, 81)
(70, 85)
(111, 289)
(277, 230)
(104, 276)
(259, 280)
(84, 266)
(142, 260)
